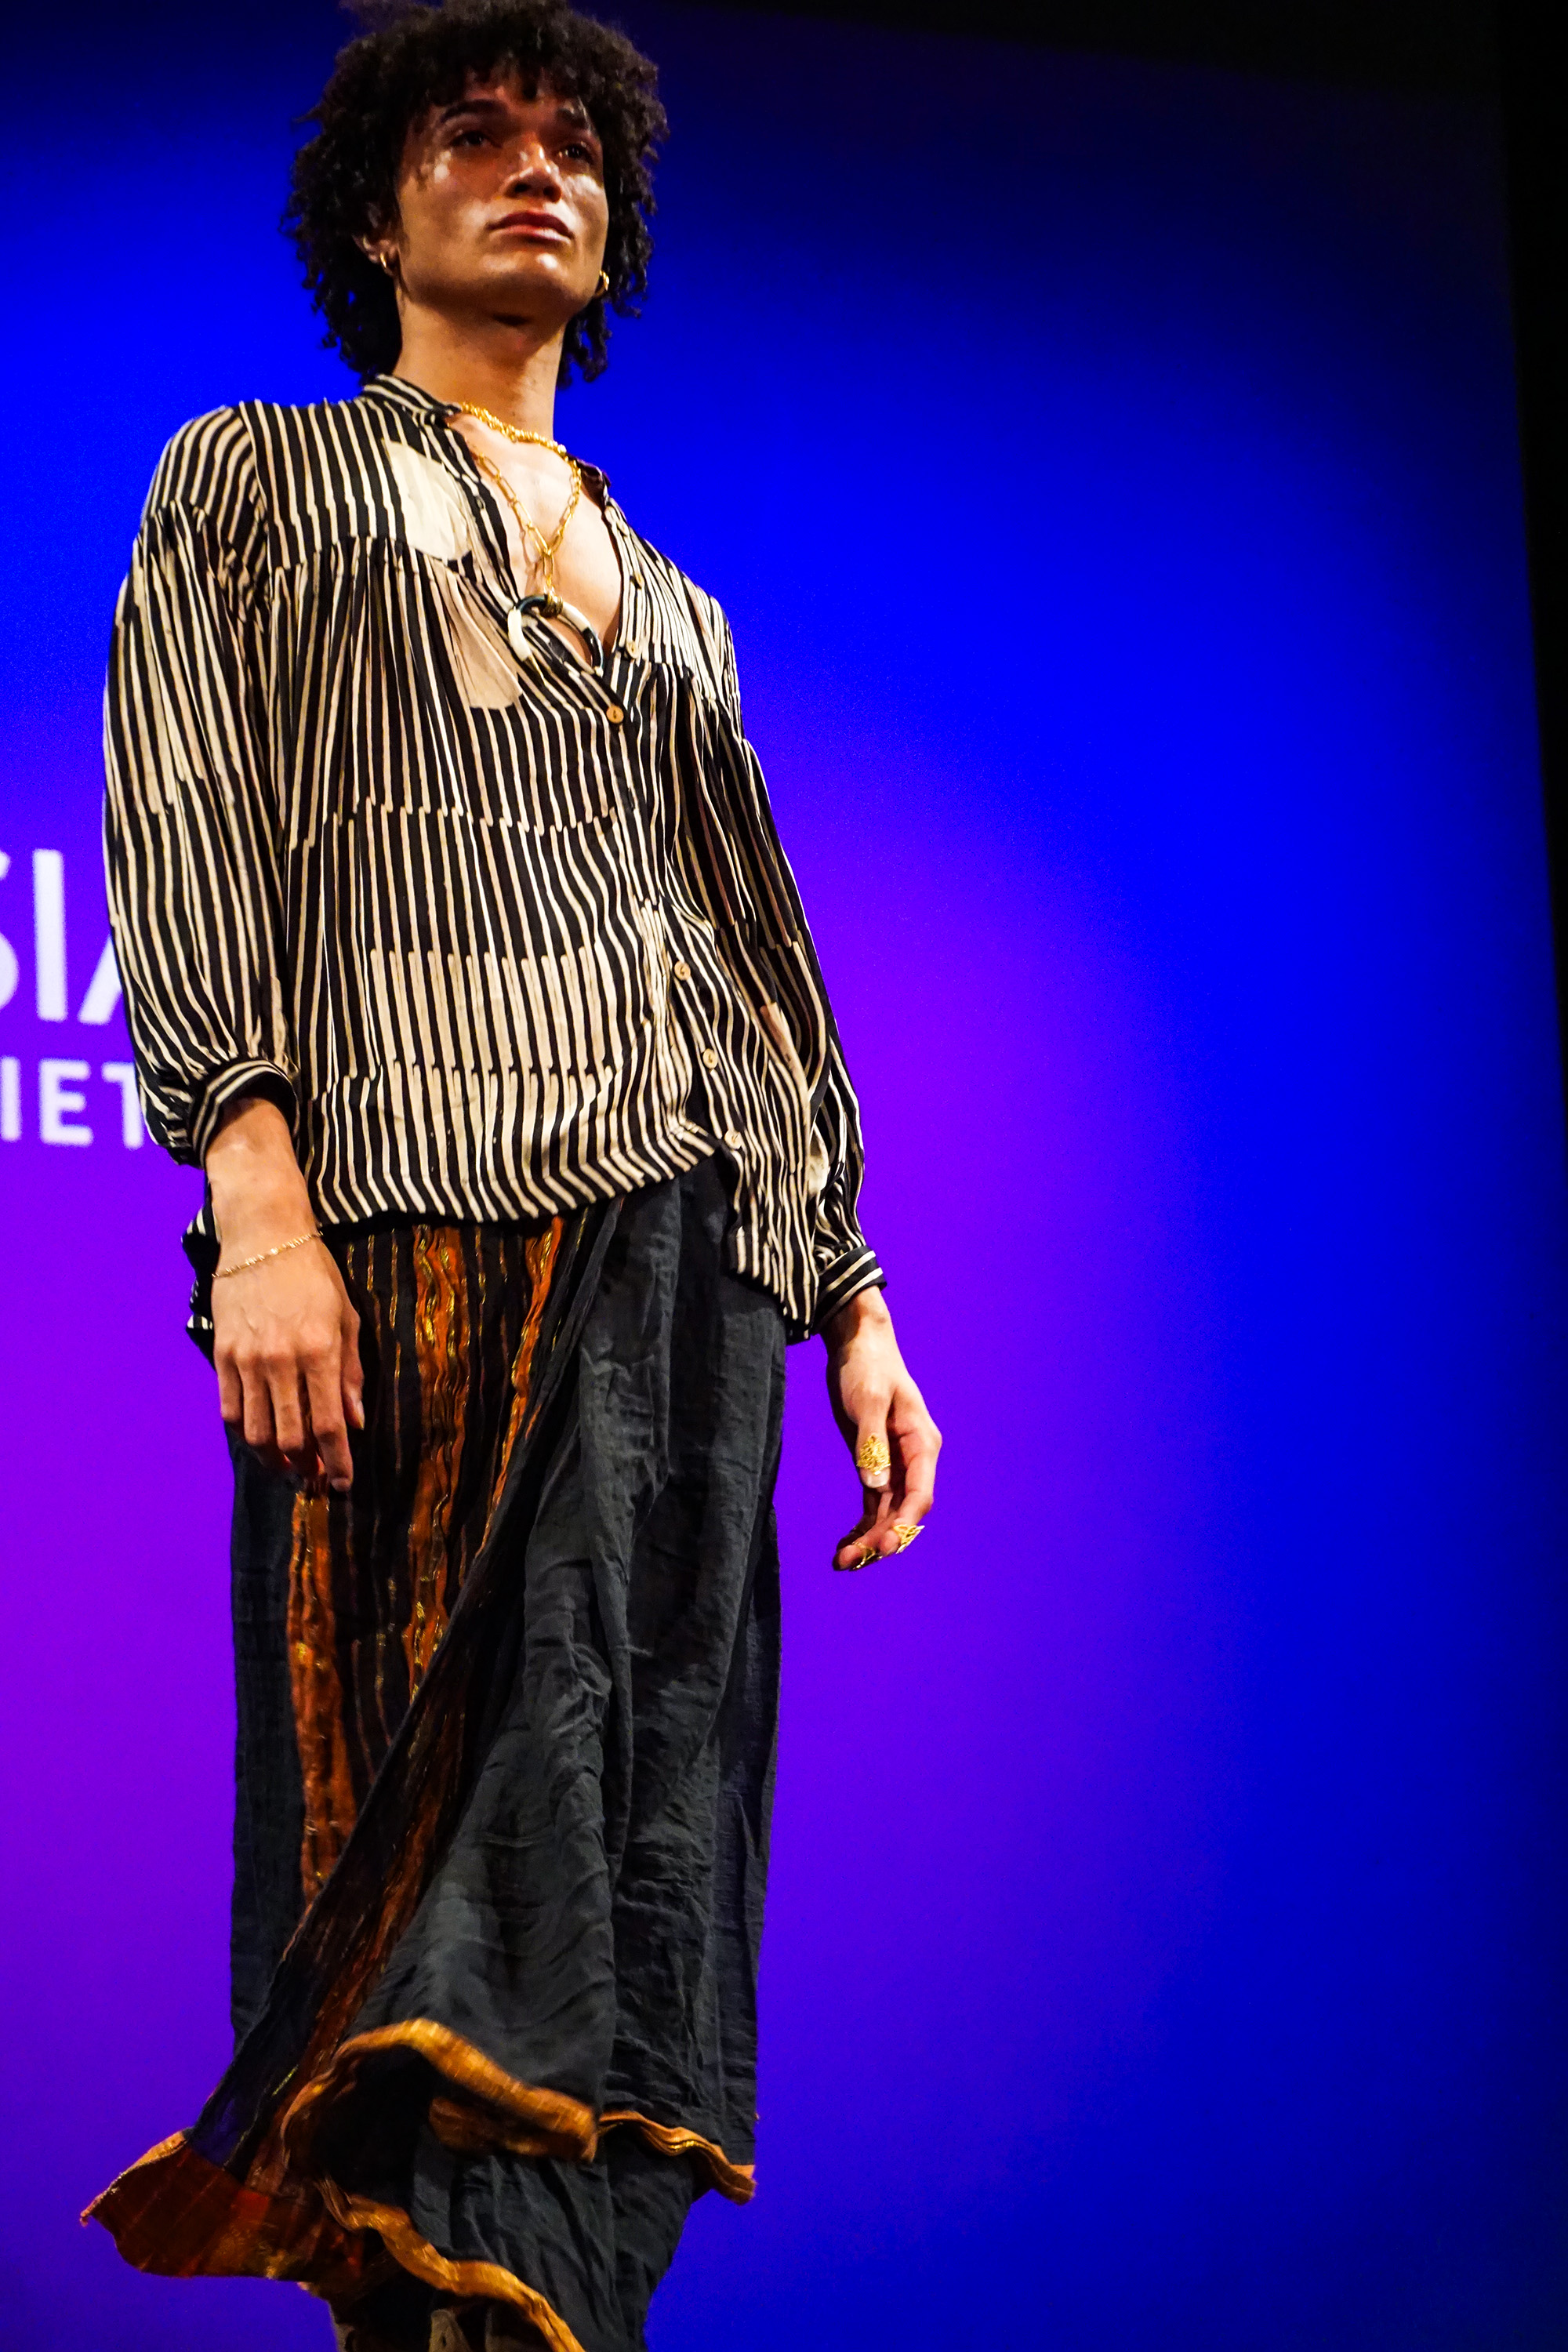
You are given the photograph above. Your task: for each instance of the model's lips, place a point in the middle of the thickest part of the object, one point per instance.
(534, 224)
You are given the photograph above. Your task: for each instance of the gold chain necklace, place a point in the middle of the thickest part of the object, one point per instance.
(549, 549)
(510, 432)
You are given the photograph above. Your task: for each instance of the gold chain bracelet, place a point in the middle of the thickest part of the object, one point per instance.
(282, 1250)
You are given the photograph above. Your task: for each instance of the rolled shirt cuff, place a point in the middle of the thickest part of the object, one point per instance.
(855, 1271)
(267, 1079)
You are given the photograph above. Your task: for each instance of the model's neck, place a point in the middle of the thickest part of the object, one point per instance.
(512, 371)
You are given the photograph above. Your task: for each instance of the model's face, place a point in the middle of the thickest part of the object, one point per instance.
(501, 206)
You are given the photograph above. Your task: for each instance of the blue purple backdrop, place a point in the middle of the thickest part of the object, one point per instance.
(1112, 474)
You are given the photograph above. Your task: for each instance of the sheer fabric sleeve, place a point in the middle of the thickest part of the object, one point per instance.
(192, 828)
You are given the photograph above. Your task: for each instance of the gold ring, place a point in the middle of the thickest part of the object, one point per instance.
(905, 1531)
(871, 1455)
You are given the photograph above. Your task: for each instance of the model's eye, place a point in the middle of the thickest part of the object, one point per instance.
(472, 137)
(580, 149)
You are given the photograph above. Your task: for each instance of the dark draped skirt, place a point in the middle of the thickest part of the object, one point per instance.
(505, 1766)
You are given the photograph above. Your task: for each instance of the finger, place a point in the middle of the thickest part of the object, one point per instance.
(863, 1543)
(874, 1503)
(256, 1411)
(918, 1482)
(288, 1413)
(326, 1387)
(855, 1552)
(230, 1393)
(256, 1418)
(850, 1549)
(898, 1516)
(915, 1510)
(352, 1384)
(873, 1454)
(305, 1460)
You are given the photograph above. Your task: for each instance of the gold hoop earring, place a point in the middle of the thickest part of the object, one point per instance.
(603, 288)
(388, 264)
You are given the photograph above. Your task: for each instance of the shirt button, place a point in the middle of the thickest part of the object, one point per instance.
(732, 1138)
(683, 971)
(710, 1059)
(614, 714)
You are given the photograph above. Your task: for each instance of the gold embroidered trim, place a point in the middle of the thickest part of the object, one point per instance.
(159, 2155)
(539, 1256)
(318, 1714)
(563, 2126)
(418, 2256)
(441, 1351)
(174, 2213)
(468, 2132)
(738, 2182)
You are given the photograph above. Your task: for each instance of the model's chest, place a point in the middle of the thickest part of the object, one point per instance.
(559, 544)
(375, 541)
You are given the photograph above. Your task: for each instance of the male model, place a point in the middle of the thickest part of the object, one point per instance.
(459, 950)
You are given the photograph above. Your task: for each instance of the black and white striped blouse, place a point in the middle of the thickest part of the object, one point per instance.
(499, 932)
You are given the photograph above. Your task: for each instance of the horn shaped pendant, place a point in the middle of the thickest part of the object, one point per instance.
(550, 607)
(517, 635)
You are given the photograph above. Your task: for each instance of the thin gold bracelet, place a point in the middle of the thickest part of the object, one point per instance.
(282, 1249)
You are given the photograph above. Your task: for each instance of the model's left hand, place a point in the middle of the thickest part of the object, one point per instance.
(887, 1427)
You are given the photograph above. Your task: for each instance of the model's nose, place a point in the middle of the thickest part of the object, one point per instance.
(532, 169)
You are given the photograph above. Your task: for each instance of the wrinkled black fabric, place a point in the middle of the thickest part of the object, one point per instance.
(593, 1922)
(603, 2236)
(600, 1907)
(416, 1795)
(269, 1800)
(443, 1315)
(595, 1925)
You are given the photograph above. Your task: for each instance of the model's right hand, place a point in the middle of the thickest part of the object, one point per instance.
(286, 1338)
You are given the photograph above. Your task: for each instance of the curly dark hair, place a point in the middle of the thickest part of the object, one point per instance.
(345, 179)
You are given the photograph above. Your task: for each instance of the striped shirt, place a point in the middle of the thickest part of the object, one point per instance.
(499, 932)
